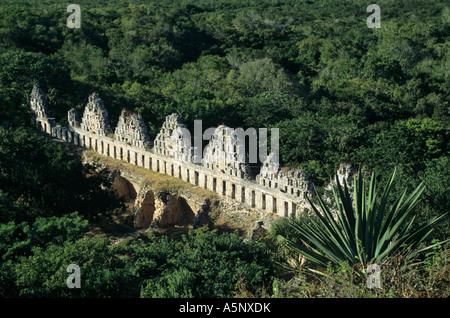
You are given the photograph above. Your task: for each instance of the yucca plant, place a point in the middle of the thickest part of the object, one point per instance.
(362, 229)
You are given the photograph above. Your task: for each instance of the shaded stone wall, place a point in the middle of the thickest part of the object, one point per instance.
(39, 110)
(73, 118)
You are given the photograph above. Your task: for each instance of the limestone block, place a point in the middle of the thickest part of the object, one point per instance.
(95, 117)
(132, 130)
(225, 153)
(173, 139)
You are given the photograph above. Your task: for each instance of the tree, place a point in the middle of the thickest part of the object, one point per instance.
(202, 264)
(263, 75)
(19, 71)
(407, 144)
(18, 240)
(45, 180)
(44, 274)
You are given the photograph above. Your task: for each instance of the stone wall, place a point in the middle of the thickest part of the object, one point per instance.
(294, 181)
(95, 117)
(225, 154)
(39, 110)
(131, 130)
(224, 169)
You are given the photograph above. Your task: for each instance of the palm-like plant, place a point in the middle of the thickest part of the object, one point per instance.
(363, 229)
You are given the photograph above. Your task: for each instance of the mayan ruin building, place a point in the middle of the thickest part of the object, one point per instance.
(39, 109)
(131, 130)
(224, 167)
(95, 117)
(224, 153)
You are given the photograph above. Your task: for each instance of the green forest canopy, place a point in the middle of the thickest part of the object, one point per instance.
(338, 90)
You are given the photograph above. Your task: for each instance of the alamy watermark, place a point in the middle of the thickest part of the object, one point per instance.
(74, 20)
(74, 279)
(374, 20)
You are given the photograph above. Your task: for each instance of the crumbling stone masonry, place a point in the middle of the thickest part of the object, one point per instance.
(224, 168)
(225, 154)
(39, 110)
(73, 119)
(294, 182)
(173, 140)
(131, 130)
(345, 172)
(95, 117)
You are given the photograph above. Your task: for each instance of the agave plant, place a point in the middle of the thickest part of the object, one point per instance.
(362, 229)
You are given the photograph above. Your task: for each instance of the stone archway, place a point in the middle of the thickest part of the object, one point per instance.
(146, 210)
(189, 211)
(170, 211)
(124, 189)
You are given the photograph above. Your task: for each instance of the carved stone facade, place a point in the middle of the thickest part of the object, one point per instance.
(172, 140)
(39, 110)
(224, 153)
(294, 182)
(38, 103)
(95, 117)
(73, 118)
(224, 169)
(131, 130)
(269, 169)
(181, 144)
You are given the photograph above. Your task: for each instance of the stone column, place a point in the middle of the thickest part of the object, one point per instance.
(231, 190)
(259, 202)
(249, 200)
(271, 203)
(184, 174)
(240, 195)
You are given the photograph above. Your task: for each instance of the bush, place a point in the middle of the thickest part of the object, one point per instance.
(201, 264)
(19, 239)
(44, 274)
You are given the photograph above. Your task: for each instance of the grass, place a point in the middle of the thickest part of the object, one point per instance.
(159, 182)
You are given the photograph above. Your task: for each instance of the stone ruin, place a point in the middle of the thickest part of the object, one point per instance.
(181, 145)
(269, 168)
(224, 153)
(293, 182)
(172, 140)
(39, 109)
(345, 172)
(95, 117)
(38, 103)
(73, 119)
(224, 168)
(131, 130)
